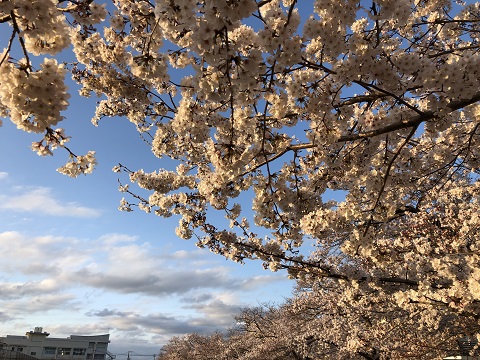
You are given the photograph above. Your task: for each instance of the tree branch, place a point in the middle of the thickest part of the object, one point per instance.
(414, 121)
(5, 18)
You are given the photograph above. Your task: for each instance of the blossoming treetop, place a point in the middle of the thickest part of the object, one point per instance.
(379, 100)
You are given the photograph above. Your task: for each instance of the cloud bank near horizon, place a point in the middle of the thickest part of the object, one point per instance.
(134, 289)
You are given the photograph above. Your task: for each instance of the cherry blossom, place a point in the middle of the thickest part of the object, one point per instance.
(269, 107)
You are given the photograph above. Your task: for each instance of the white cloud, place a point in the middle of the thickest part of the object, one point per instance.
(216, 313)
(119, 268)
(212, 316)
(3, 175)
(262, 280)
(122, 268)
(42, 201)
(118, 284)
(39, 304)
(41, 255)
(18, 290)
(114, 238)
(157, 282)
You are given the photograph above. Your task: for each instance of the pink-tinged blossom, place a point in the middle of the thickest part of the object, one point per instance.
(281, 107)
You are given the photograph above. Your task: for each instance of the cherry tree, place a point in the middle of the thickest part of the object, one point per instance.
(195, 347)
(322, 322)
(272, 106)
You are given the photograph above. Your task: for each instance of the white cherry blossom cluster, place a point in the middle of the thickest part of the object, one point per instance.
(77, 165)
(40, 23)
(88, 13)
(35, 99)
(33, 92)
(268, 105)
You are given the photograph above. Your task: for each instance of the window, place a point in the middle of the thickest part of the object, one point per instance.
(49, 351)
(91, 345)
(99, 356)
(101, 346)
(78, 351)
(33, 353)
(63, 351)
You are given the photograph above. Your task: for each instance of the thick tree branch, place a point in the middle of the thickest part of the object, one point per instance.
(404, 124)
(414, 121)
(5, 18)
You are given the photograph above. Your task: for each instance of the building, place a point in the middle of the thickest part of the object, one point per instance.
(36, 343)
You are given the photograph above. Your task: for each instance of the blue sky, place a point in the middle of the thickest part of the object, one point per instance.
(74, 264)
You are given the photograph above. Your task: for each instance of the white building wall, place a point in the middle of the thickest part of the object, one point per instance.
(75, 347)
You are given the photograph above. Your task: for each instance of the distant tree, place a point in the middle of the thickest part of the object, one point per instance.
(194, 347)
(265, 333)
(288, 101)
(332, 320)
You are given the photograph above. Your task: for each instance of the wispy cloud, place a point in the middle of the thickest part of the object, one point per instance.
(5, 317)
(119, 284)
(114, 238)
(261, 280)
(40, 255)
(159, 283)
(3, 175)
(40, 304)
(215, 312)
(211, 316)
(40, 200)
(17, 290)
(106, 312)
(126, 268)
